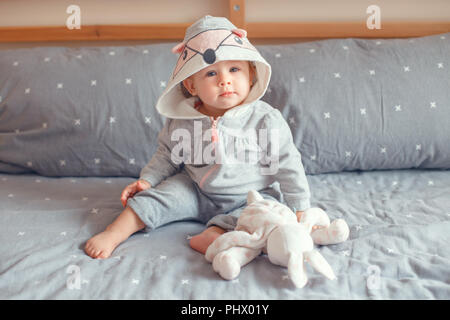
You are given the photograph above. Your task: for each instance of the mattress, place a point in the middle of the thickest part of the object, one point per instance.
(398, 246)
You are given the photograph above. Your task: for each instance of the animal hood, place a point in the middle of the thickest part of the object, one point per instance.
(207, 41)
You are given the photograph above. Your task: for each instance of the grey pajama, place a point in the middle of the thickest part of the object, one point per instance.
(186, 187)
(178, 198)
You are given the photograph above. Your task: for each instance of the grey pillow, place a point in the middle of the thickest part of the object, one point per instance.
(352, 104)
(81, 111)
(356, 104)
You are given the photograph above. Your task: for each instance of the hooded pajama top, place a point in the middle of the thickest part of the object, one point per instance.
(204, 167)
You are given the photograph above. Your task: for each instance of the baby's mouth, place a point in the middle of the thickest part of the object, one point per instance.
(227, 94)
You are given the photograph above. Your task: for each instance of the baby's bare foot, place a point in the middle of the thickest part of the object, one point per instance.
(103, 244)
(202, 241)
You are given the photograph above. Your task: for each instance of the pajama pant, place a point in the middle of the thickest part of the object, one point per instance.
(178, 198)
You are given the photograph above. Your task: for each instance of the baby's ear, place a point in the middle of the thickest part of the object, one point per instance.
(188, 83)
(252, 70)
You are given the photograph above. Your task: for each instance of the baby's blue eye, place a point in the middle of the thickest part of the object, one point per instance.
(211, 73)
(234, 69)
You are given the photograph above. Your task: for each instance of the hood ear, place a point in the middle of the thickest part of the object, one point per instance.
(240, 32)
(178, 48)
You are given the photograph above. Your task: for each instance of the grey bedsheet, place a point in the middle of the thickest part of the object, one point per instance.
(398, 247)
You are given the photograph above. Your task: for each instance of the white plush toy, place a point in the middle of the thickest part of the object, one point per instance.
(269, 226)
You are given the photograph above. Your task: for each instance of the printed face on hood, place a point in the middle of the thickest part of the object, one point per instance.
(221, 86)
(207, 43)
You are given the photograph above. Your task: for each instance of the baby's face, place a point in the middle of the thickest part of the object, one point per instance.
(222, 85)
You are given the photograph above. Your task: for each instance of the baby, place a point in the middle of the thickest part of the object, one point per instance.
(194, 175)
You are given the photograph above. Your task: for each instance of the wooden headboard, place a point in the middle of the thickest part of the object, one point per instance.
(236, 14)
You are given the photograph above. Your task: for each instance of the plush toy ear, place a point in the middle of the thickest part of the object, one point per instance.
(315, 217)
(337, 232)
(178, 48)
(240, 32)
(297, 270)
(318, 262)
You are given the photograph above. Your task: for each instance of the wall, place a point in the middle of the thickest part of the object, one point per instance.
(53, 12)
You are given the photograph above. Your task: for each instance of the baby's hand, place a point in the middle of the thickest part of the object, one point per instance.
(132, 189)
(299, 215)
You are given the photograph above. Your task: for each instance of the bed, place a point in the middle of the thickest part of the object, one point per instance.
(370, 117)
(398, 245)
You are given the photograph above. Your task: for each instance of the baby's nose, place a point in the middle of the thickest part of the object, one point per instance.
(224, 83)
